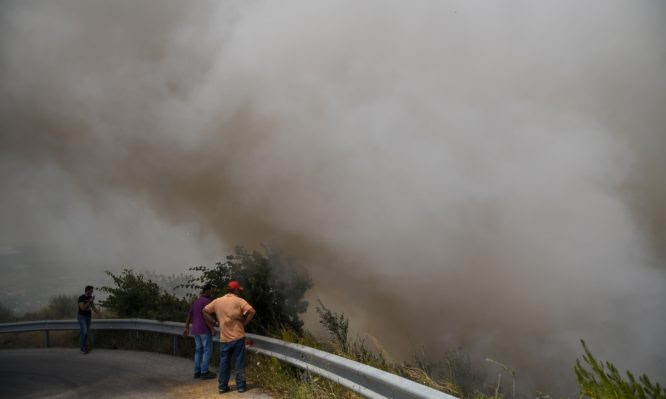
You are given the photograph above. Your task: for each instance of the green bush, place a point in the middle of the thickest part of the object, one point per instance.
(273, 286)
(170, 283)
(135, 297)
(604, 381)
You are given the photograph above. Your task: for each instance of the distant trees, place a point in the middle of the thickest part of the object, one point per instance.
(6, 314)
(59, 307)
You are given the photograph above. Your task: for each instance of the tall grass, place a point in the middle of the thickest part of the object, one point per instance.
(599, 380)
(337, 326)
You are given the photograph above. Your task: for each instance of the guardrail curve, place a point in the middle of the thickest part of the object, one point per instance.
(360, 378)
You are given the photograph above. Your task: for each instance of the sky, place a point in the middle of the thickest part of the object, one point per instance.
(453, 174)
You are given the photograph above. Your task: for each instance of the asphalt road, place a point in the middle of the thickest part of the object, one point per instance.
(66, 373)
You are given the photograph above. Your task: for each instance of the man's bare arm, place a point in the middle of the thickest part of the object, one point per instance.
(248, 316)
(209, 319)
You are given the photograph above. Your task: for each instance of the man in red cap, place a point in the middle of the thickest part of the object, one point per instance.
(233, 314)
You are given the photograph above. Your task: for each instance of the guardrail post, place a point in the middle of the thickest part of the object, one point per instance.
(174, 344)
(46, 338)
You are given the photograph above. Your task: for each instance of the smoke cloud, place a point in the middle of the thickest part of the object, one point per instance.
(452, 173)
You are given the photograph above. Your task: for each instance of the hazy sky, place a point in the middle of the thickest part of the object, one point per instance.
(452, 173)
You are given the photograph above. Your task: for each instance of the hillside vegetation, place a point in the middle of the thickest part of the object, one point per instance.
(276, 289)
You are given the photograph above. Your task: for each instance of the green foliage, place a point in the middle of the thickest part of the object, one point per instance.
(604, 381)
(305, 339)
(173, 283)
(336, 324)
(273, 286)
(135, 297)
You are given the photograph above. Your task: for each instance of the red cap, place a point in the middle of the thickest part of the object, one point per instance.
(234, 285)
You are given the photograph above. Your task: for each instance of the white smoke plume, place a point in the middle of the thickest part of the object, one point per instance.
(453, 173)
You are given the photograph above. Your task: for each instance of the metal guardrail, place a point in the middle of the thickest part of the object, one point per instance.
(360, 378)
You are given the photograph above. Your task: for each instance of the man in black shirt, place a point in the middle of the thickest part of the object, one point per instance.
(86, 303)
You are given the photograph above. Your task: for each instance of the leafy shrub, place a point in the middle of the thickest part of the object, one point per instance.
(170, 283)
(135, 297)
(273, 286)
(604, 381)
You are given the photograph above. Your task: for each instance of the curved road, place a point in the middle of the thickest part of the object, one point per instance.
(66, 373)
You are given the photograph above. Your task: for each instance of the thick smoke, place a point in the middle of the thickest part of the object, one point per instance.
(454, 174)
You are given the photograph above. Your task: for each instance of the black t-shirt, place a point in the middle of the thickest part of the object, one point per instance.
(87, 312)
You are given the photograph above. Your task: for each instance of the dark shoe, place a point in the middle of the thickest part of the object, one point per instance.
(208, 375)
(197, 375)
(84, 351)
(223, 390)
(241, 390)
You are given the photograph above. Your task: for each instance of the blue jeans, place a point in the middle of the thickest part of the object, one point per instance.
(203, 349)
(84, 325)
(227, 351)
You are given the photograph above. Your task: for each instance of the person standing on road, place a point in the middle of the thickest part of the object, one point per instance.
(233, 313)
(202, 332)
(86, 303)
